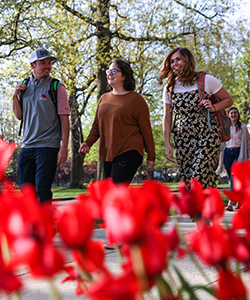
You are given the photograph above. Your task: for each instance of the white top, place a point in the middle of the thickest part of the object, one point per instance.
(235, 138)
(212, 86)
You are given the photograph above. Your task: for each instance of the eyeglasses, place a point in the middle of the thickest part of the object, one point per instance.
(112, 71)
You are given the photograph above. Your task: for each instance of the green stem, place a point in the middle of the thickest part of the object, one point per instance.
(191, 256)
(83, 286)
(16, 296)
(163, 287)
(119, 253)
(138, 267)
(171, 277)
(84, 274)
(5, 249)
(55, 294)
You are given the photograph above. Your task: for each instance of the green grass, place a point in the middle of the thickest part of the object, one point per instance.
(64, 192)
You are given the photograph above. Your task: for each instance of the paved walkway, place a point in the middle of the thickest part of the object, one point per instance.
(41, 290)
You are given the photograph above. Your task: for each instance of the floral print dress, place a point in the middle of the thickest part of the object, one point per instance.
(196, 147)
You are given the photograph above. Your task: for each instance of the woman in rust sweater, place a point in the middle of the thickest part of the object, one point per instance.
(122, 123)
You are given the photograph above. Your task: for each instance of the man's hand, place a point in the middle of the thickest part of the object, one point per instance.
(18, 88)
(17, 108)
(62, 155)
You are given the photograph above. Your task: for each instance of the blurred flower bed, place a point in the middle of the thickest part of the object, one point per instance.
(133, 220)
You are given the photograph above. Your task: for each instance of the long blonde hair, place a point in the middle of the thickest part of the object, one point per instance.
(188, 76)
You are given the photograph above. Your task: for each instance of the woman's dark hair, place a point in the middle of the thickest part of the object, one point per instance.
(188, 75)
(127, 72)
(238, 122)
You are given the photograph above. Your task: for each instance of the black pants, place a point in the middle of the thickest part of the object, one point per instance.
(123, 168)
(38, 167)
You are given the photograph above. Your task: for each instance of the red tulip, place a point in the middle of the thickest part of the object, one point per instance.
(75, 224)
(241, 176)
(47, 261)
(124, 287)
(8, 281)
(161, 197)
(96, 192)
(241, 219)
(172, 239)
(74, 276)
(240, 246)
(241, 182)
(147, 258)
(6, 151)
(125, 214)
(91, 257)
(212, 243)
(28, 227)
(154, 253)
(190, 201)
(213, 205)
(37, 219)
(130, 213)
(230, 286)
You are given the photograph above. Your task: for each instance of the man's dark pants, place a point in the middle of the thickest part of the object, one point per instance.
(38, 167)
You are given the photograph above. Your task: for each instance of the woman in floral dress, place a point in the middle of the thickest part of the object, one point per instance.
(196, 145)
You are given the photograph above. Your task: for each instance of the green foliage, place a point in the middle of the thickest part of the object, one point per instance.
(161, 161)
(241, 91)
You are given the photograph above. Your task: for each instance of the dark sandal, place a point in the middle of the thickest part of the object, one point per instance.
(108, 246)
(229, 208)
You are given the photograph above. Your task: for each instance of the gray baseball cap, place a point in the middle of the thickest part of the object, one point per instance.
(39, 54)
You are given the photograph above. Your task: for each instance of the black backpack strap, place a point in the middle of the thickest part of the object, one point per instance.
(53, 94)
(20, 127)
(53, 91)
(25, 81)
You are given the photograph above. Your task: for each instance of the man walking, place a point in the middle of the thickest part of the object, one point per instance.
(45, 125)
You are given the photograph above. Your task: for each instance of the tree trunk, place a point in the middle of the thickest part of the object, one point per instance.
(103, 49)
(76, 175)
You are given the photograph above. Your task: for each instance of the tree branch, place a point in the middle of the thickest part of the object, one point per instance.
(165, 40)
(81, 112)
(195, 10)
(76, 13)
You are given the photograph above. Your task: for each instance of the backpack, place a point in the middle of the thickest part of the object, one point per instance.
(52, 93)
(221, 115)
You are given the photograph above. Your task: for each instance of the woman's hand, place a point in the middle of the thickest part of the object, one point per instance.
(150, 164)
(84, 148)
(208, 104)
(169, 153)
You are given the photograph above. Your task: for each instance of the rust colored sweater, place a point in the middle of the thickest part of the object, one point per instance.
(122, 123)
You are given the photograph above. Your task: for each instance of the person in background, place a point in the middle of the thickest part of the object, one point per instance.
(122, 123)
(237, 148)
(45, 137)
(196, 146)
